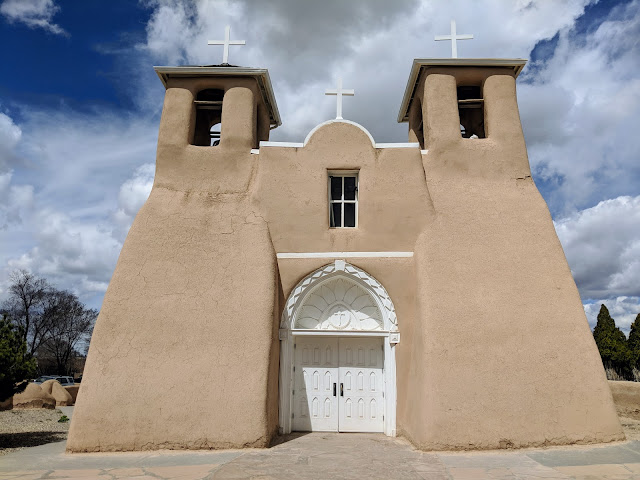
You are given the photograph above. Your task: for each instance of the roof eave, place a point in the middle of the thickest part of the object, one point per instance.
(403, 115)
(260, 74)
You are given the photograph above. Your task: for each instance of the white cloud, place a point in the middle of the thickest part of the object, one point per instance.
(306, 45)
(133, 193)
(33, 13)
(63, 207)
(71, 254)
(15, 200)
(10, 135)
(602, 245)
(84, 156)
(578, 114)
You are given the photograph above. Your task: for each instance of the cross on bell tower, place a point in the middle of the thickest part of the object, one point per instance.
(226, 42)
(453, 37)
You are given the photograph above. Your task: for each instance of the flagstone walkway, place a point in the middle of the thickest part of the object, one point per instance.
(327, 456)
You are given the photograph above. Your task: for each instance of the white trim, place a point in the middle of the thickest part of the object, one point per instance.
(345, 255)
(338, 333)
(337, 120)
(342, 202)
(424, 152)
(298, 295)
(398, 145)
(286, 335)
(264, 143)
(255, 151)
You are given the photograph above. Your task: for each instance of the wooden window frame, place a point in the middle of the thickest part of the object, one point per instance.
(343, 173)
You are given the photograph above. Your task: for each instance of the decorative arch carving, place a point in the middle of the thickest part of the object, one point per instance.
(340, 276)
(352, 310)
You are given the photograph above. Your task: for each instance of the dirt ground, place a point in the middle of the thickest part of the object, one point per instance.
(22, 428)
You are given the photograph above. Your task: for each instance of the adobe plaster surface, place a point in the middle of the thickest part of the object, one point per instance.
(193, 307)
(190, 312)
(33, 397)
(57, 391)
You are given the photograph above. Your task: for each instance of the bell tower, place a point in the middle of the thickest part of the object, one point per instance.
(466, 109)
(210, 115)
(191, 310)
(490, 268)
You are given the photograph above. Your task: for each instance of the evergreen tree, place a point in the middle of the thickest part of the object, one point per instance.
(612, 344)
(634, 342)
(16, 366)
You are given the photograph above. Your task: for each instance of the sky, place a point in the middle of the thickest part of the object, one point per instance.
(80, 105)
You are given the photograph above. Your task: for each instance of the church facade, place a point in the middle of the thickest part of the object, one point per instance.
(415, 289)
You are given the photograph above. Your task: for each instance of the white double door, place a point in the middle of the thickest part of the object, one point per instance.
(338, 384)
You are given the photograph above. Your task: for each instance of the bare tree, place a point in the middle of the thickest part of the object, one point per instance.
(25, 307)
(70, 323)
(54, 323)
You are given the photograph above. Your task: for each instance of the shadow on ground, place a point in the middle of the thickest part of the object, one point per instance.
(280, 439)
(30, 439)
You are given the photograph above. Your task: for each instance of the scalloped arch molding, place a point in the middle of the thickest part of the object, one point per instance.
(357, 282)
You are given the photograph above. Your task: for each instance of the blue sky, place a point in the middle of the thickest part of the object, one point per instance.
(80, 105)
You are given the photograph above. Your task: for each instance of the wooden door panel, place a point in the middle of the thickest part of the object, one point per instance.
(357, 365)
(361, 407)
(315, 408)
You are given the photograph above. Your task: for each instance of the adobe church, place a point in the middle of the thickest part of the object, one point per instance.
(342, 285)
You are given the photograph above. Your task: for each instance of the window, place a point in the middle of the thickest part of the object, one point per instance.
(343, 199)
(208, 115)
(471, 110)
(214, 133)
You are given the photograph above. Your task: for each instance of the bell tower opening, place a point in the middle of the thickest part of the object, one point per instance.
(208, 105)
(471, 111)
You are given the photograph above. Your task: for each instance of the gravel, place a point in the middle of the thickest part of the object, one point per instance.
(22, 428)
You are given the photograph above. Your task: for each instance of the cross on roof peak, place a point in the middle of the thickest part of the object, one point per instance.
(453, 37)
(226, 42)
(339, 92)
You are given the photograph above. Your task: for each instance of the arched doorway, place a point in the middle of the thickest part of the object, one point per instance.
(337, 353)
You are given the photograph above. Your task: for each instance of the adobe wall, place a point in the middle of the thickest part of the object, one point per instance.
(185, 347)
(504, 355)
(292, 187)
(495, 349)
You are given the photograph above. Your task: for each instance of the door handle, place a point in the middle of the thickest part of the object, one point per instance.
(334, 389)
(342, 390)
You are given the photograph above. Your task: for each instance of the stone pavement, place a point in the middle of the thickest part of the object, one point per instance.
(327, 456)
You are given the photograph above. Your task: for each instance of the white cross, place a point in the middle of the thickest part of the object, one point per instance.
(453, 37)
(339, 92)
(226, 42)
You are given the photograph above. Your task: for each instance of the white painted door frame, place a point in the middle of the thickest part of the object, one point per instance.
(288, 332)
